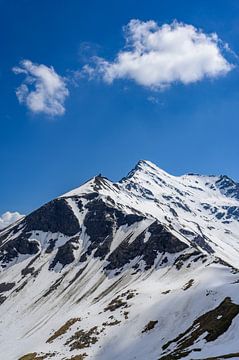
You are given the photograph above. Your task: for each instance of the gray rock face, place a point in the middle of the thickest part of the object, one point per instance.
(20, 245)
(228, 186)
(159, 241)
(55, 216)
(101, 221)
(65, 253)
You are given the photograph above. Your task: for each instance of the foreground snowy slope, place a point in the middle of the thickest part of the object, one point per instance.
(145, 268)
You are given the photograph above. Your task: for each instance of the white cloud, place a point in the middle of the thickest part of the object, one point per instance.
(43, 90)
(157, 56)
(8, 218)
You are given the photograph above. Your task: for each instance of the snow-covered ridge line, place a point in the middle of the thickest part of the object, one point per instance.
(123, 269)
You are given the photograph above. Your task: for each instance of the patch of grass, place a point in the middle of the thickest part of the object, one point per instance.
(35, 356)
(31, 356)
(121, 300)
(115, 304)
(129, 294)
(213, 324)
(83, 339)
(150, 326)
(78, 357)
(63, 329)
(111, 323)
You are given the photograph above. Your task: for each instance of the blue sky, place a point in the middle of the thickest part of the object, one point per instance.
(107, 127)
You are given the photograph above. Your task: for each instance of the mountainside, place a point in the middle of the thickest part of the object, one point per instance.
(144, 268)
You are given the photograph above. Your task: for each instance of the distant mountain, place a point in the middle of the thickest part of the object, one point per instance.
(145, 268)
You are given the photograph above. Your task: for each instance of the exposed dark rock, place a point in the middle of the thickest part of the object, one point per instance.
(180, 261)
(188, 285)
(55, 216)
(144, 192)
(2, 299)
(224, 263)
(232, 212)
(51, 246)
(160, 241)
(150, 326)
(220, 215)
(23, 284)
(181, 205)
(165, 260)
(104, 248)
(6, 286)
(101, 221)
(210, 325)
(186, 232)
(166, 292)
(175, 214)
(228, 186)
(83, 257)
(111, 323)
(65, 253)
(20, 245)
(91, 196)
(29, 269)
(200, 241)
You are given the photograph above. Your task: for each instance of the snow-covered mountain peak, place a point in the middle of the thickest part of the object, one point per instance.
(143, 268)
(144, 169)
(228, 186)
(96, 184)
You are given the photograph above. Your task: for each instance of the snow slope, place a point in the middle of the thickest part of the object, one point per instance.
(145, 268)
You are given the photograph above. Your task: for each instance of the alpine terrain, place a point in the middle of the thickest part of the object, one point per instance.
(145, 268)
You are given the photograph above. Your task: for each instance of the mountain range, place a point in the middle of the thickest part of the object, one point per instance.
(145, 268)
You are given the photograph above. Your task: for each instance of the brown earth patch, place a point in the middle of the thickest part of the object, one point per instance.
(35, 356)
(63, 329)
(78, 357)
(83, 339)
(213, 324)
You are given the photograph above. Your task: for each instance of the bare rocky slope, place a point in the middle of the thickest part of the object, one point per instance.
(144, 268)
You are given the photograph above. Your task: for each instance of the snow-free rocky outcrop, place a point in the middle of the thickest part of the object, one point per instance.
(144, 268)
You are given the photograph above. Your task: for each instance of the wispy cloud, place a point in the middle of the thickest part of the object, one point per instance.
(43, 90)
(157, 56)
(8, 218)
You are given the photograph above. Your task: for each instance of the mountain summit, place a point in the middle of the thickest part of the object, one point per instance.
(143, 268)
